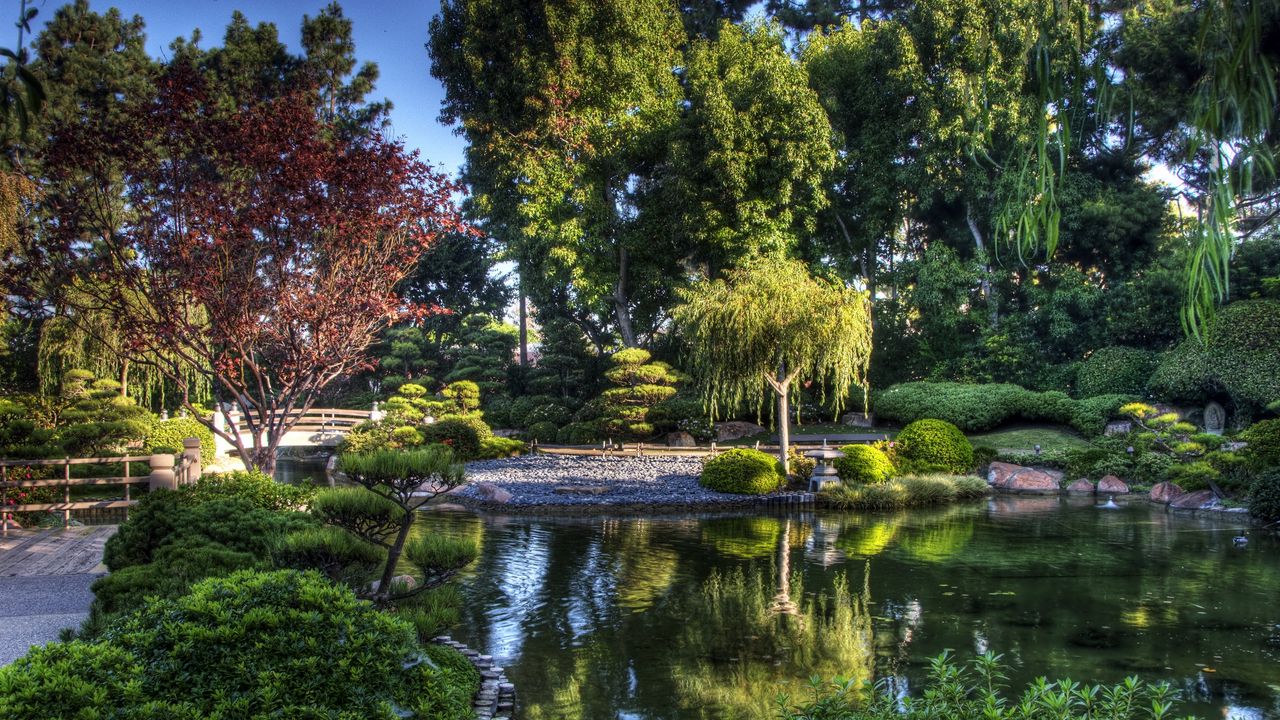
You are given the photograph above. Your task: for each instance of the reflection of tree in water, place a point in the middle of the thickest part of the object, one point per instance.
(738, 653)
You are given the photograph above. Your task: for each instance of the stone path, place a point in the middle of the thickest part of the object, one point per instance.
(44, 583)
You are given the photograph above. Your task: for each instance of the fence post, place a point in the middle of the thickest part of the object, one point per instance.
(162, 477)
(191, 453)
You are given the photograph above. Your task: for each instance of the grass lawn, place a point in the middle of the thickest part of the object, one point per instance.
(1026, 438)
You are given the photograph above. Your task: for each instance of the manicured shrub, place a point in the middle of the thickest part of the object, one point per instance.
(641, 386)
(1090, 415)
(73, 680)
(500, 447)
(521, 407)
(556, 414)
(542, 432)
(271, 641)
(1191, 476)
(170, 434)
(1115, 370)
(1243, 343)
(1264, 495)
(462, 433)
(802, 467)
(497, 411)
(580, 433)
(252, 486)
(935, 445)
(863, 464)
(743, 471)
(1263, 438)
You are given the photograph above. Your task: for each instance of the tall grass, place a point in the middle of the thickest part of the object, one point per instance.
(905, 492)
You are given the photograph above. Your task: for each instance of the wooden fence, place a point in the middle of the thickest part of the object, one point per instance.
(160, 470)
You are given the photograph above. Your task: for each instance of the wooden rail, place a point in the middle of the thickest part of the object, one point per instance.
(317, 420)
(128, 480)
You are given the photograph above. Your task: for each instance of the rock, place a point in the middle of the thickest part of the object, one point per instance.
(581, 490)
(1080, 487)
(494, 494)
(1118, 427)
(405, 582)
(1007, 476)
(1165, 493)
(857, 419)
(1113, 485)
(1198, 500)
(681, 439)
(736, 430)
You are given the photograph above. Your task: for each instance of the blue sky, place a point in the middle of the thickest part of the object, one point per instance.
(391, 33)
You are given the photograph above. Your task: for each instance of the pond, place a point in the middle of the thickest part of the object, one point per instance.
(713, 616)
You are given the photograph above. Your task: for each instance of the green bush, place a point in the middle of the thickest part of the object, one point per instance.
(252, 486)
(580, 433)
(542, 432)
(462, 433)
(499, 447)
(863, 464)
(520, 408)
(984, 455)
(1240, 355)
(935, 445)
(1263, 438)
(743, 471)
(554, 413)
(170, 434)
(802, 466)
(904, 492)
(68, 681)
(497, 412)
(1264, 495)
(272, 642)
(369, 436)
(1115, 370)
(976, 408)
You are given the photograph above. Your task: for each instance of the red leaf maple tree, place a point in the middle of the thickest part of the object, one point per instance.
(257, 245)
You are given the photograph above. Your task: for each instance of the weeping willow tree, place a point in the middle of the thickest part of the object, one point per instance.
(767, 325)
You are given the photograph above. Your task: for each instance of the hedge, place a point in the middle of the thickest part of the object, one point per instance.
(976, 408)
(170, 434)
(1115, 370)
(1240, 357)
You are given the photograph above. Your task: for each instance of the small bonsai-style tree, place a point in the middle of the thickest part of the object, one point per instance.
(369, 525)
(640, 385)
(1168, 434)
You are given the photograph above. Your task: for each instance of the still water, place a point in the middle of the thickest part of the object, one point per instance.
(713, 616)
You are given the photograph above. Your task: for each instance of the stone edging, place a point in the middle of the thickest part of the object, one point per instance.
(496, 698)
(788, 499)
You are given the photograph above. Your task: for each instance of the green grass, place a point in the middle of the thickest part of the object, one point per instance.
(1026, 438)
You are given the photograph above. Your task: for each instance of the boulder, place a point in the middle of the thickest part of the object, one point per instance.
(1080, 487)
(857, 419)
(736, 430)
(681, 439)
(1118, 427)
(1165, 493)
(1112, 485)
(1016, 478)
(404, 582)
(494, 494)
(1198, 500)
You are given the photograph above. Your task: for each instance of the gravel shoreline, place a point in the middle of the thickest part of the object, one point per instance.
(590, 484)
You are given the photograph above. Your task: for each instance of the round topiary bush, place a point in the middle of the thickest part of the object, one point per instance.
(863, 464)
(935, 445)
(1115, 370)
(743, 471)
(543, 432)
(462, 433)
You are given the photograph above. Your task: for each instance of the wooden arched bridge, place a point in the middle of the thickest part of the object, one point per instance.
(317, 426)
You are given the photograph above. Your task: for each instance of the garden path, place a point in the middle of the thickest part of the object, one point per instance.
(44, 583)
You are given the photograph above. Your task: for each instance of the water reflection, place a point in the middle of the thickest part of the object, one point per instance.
(711, 617)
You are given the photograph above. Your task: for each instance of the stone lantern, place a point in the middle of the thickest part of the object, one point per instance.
(824, 473)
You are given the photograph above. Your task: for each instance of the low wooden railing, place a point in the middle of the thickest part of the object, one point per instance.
(162, 470)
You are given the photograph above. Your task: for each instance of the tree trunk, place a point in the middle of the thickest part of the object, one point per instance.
(524, 326)
(621, 304)
(783, 389)
(994, 313)
(124, 378)
(393, 557)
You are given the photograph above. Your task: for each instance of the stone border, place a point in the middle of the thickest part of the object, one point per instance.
(496, 698)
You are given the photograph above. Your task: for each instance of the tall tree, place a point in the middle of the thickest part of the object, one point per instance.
(753, 153)
(769, 324)
(266, 245)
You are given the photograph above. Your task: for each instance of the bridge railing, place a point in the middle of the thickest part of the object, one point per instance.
(317, 420)
(158, 470)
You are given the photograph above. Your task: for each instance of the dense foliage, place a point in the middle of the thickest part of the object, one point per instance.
(1115, 371)
(863, 464)
(974, 408)
(934, 446)
(905, 492)
(742, 471)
